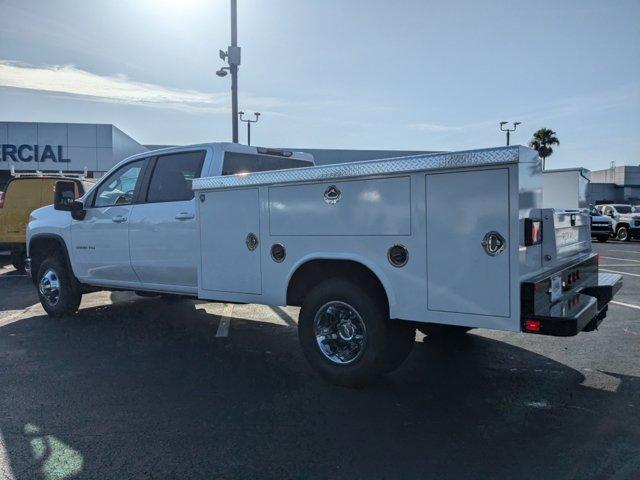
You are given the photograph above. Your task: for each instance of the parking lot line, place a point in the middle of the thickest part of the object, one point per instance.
(622, 250)
(623, 259)
(619, 265)
(5, 465)
(621, 273)
(225, 320)
(637, 307)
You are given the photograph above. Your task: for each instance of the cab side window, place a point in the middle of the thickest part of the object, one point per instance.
(235, 163)
(120, 186)
(172, 176)
(608, 211)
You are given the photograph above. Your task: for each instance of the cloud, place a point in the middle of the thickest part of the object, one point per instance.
(69, 80)
(433, 128)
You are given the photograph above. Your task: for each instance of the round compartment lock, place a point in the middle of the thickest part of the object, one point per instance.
(493, 243)
(252, 242)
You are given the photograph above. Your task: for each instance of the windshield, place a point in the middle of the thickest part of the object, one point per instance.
(623, 208)
(593, 211)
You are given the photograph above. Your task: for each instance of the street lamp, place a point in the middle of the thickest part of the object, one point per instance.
(508, 130)
(232, 57)
(249, 122)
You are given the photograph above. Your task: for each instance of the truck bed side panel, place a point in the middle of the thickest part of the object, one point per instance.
(364, 207)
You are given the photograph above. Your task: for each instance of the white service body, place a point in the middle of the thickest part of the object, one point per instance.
(456, 239)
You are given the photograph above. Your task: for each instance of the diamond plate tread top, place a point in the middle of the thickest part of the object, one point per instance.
(472, 158)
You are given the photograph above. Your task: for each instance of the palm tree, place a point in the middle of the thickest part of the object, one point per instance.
(542, 141)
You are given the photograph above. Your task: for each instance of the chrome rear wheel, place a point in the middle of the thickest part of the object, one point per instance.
(340, 332)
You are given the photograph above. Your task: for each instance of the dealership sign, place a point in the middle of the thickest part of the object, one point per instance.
(33, 153)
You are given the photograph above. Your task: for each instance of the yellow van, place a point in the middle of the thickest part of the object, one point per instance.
(23, 194)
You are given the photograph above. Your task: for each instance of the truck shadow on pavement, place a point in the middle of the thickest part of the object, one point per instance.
(145, 389)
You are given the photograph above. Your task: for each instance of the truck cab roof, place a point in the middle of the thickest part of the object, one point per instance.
(235, 148)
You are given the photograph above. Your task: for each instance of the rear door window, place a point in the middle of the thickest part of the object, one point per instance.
(235, 163)
(172, 176)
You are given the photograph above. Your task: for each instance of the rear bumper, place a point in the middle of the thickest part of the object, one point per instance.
(581, 308)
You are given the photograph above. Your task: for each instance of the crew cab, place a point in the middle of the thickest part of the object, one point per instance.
(362, 247)
(626, 223)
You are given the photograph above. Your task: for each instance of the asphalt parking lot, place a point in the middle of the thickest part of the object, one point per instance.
(137, 387)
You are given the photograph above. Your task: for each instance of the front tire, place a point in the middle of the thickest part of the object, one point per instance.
(346, 334)
(622, 234)
(58, 290)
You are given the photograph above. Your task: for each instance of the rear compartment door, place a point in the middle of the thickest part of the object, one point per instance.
(462, 209)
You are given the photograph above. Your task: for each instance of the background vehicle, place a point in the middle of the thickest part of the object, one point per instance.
(362, 248)
(601, 226)
(23, 194)
(626, 223)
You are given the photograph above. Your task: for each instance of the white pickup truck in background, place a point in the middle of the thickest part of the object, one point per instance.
(363, 248)
(626, 221)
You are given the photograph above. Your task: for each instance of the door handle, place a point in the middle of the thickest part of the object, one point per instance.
(119, 219)
(185, 216)
(493, 243)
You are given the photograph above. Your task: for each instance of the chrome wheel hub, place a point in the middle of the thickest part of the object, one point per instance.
(49, 287)
(340, 332)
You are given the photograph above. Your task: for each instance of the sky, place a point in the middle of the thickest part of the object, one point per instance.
(363, 74)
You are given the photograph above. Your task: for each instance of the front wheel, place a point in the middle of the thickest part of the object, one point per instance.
(603, 238)
(346, 334)
(58, 289)
(622, 234)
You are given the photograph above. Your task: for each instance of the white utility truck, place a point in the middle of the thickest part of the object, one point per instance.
(368, 250)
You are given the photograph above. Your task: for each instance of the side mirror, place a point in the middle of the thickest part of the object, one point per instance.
(64, 196)
(64, 199)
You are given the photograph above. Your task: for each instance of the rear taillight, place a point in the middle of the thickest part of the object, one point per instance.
(532, 326)
(532, 232)
(1, 199)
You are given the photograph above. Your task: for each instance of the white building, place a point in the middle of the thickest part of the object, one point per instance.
(67, 147)
(615, 185)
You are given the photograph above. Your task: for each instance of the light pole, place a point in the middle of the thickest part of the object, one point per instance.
(508, 130)
(249, 122)
(232, 56)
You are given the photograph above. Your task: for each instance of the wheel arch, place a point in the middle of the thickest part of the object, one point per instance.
(311, 269)
(41, 245)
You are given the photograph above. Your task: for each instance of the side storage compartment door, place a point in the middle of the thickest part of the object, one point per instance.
(463, 208)
(230, 263)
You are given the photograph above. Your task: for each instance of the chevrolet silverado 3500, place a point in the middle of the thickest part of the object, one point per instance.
(363, 248)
